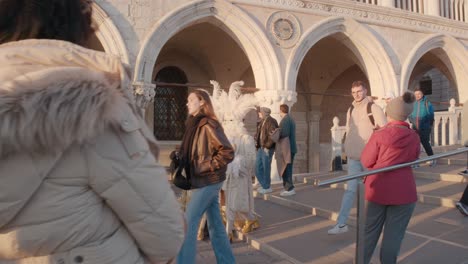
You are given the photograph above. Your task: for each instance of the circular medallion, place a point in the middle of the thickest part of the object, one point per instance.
(284, 29)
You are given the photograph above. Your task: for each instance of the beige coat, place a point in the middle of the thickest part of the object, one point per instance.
(359, 128)
(465, 124)
(283, 154)
(78, 179)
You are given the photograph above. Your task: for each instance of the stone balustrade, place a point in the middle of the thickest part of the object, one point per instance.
(451, 9)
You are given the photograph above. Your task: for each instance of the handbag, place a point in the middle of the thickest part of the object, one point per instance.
(180, 180)
(275, 135)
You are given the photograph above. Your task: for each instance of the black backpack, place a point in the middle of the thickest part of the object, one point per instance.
(369, 112)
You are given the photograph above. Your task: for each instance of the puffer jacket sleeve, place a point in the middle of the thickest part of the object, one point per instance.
(124, 172)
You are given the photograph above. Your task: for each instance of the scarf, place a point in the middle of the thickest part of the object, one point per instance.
(187, 141)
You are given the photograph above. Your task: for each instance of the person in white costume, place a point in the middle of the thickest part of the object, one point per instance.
(231, 109)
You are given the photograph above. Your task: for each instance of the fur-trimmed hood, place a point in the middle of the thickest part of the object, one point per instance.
(54, 94)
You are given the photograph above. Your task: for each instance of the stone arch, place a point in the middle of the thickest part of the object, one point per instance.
(251, 37)
(108, 34)
(378, 59)
(456, 54)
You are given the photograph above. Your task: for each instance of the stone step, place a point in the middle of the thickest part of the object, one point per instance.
(299, 233)
(431, 191)
(441, 172)
(439, 185)
(298, 237)
(441, 193)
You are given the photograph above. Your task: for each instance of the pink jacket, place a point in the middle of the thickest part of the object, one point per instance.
(394, 144)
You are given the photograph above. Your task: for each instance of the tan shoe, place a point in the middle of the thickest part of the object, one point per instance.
(238, 224)
(250, 225)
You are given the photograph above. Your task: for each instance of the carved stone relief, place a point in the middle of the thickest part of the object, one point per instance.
(284, 28)
(374, 15)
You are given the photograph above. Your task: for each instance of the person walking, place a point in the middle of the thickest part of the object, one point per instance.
(265, 149)
(205, 153)
(391, 196)
(286, 149)
(462, 205)
(80, 181)
(362, 119)
(422, 120)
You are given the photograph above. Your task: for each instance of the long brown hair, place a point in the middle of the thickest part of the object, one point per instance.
(207, 108)
(68, 20)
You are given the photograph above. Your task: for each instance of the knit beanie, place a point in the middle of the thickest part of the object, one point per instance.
(401, 107)
(265, 110)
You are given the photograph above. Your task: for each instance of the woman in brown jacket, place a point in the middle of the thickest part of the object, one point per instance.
(205, 154)
(79, 182)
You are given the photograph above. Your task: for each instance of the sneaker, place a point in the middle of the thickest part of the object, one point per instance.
(338, 229)
(264, 191)
(464, 173)
(288, 193)
(415, 166)
(432, 163)
(463, 208)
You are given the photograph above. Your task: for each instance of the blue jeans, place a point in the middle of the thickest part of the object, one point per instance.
(287, 175)
(263, 167)
(354, 166)
(203, 200)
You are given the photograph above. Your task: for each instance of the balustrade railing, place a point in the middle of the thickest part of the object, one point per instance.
(452, 9)
(446, 131)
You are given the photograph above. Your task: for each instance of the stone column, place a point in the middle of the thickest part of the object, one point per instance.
(387, 3)
(431, 7)
(314, 140)
(144, 95)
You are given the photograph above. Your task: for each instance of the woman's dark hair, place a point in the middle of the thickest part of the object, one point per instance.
(207, 108)
(68, 20)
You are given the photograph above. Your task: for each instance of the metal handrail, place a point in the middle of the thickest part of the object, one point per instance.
(359, 257)
(393, 167)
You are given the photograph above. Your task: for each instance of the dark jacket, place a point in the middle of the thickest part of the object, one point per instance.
(288, 129)
(264, 129)
(211, 153)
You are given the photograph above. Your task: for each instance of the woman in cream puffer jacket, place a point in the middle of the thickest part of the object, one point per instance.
(79, 181)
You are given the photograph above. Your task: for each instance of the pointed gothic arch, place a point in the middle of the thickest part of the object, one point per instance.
(108, 34)
(250, 36)
(457, 56)
(378, 59)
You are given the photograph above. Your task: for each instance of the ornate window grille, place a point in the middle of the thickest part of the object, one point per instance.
(170, 110)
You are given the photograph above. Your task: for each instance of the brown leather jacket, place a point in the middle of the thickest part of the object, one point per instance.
(211, 153)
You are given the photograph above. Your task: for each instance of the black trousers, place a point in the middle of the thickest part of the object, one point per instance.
(425, 138)
(464, 198)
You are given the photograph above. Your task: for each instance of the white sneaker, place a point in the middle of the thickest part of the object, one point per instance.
(288, 193)
(338, 229)
(264, 191)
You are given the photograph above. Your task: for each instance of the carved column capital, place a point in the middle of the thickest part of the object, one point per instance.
(314, 116)
(144, 93)
(274, 98)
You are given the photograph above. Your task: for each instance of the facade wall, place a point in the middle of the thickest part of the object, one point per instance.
(324, 47)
